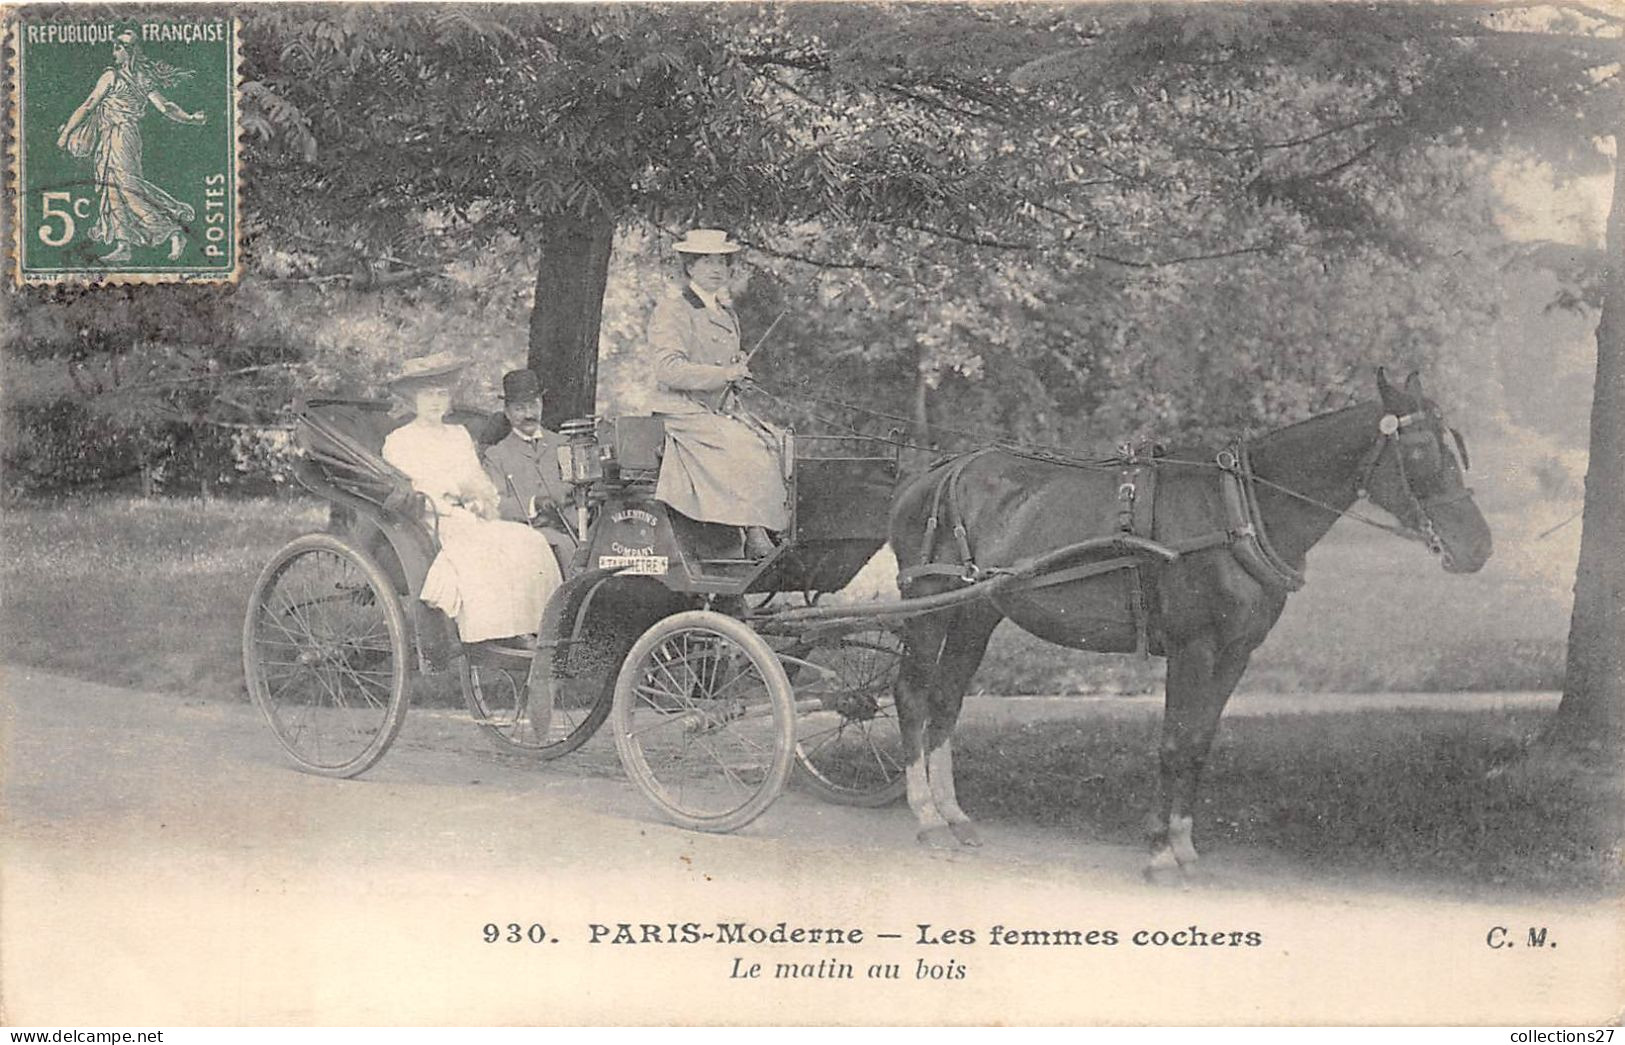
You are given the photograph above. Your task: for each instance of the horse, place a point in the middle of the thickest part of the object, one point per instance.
(1200, 578)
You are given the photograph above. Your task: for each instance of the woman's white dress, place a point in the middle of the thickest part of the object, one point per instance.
(492, 577)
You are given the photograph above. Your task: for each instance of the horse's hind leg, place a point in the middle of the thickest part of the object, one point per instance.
(922, 649)
(961, 655)
(941, 652)
(1201, 678)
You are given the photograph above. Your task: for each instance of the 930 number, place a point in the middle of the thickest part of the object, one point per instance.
(513, 932)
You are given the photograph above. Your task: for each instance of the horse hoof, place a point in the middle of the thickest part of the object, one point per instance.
(1164, 870)
(966, 832)
(937, 838)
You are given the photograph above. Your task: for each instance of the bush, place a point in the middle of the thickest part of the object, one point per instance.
(60, 445)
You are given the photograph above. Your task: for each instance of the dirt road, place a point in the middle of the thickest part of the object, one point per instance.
(163, 865)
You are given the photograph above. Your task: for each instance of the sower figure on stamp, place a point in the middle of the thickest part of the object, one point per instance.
(524, 465)
(107, 127)
(720, 465)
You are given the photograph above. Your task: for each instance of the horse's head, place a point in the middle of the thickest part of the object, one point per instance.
(1415, 473)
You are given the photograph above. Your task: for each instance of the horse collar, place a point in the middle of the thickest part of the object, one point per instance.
(1249, 542)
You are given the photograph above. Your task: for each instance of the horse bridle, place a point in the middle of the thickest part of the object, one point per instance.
(1392, 433)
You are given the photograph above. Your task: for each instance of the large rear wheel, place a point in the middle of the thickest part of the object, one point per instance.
(325, 655)
(703, 720)
(849, 749)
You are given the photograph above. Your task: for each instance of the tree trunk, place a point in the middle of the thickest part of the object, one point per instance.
(1593, 706)
(922, 409)
(568, 307)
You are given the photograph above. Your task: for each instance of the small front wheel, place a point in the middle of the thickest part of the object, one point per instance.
(704, 720)
(326, 656)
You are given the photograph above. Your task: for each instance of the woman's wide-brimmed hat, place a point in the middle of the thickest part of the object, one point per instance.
(706, 241)
(424, 369)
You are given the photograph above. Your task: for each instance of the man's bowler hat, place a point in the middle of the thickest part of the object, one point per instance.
(519, 386)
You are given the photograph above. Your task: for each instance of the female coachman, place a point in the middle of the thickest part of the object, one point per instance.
(492, 577)
(107, 127)
(719, 466)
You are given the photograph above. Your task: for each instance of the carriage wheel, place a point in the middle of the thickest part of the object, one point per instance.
(495, 692)
(703, 720)
(849, 749)
(325, 654)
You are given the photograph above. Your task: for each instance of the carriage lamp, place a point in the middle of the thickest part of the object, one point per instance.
(578, 458)
(578, 463)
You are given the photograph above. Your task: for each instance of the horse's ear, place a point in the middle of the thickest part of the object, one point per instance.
(1385, 389)
(1413, 387)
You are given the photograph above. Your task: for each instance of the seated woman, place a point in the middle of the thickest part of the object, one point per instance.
(492, 577)
(718, 467)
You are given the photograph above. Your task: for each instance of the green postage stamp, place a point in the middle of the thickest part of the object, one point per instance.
(124, 148)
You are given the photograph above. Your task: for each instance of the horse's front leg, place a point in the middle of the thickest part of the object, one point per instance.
(1201, 678)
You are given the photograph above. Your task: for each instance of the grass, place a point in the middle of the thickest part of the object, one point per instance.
(1431, 795)
(1378, 615)
(150, 595)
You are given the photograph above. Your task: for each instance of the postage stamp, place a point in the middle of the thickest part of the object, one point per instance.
(124, 149)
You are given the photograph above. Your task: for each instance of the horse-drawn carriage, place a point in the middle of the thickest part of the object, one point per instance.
(717, 691)
(658, 625)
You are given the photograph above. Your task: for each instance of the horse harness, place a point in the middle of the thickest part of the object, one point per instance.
(1243, 534)
(1127, 547)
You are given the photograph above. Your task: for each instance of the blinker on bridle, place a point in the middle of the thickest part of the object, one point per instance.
(1391, 430)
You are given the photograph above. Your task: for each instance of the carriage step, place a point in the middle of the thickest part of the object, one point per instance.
(730, 569)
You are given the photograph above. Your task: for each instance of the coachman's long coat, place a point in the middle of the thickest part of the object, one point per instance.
(717, 467)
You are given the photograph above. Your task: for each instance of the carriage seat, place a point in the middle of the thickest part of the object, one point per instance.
(342, 443)
(633, 445)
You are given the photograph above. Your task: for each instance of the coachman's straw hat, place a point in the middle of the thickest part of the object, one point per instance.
(706, 241)
(422, 368)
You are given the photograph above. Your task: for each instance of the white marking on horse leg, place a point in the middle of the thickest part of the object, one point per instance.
(1163, 868)
(940, 773)
(1179, 841)
(933, 828)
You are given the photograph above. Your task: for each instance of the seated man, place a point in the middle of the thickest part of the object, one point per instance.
(524, 465)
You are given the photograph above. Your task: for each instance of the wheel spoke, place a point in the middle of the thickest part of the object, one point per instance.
(329, 645)
(689, 723)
